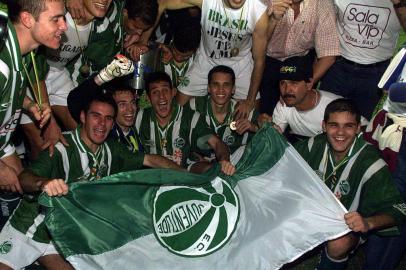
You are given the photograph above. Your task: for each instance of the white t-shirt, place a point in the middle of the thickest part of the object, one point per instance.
(303, 123)
(70, 46)
(368, 29)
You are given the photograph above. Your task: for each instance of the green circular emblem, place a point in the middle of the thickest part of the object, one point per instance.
(5, 247)
(195, 221)
(345, 187)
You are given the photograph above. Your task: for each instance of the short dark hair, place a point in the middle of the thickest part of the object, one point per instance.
(147, 10)
(342, 105)
(158, 76)
(15, 7)
(221, 69)
(186, 37)
(103, 97)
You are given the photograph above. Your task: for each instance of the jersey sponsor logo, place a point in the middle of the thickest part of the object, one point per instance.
(191, 221)
(11, 124)
(6, 247)
(363, 26)
(179, 142)
(287, 69)
(344, 187)
(229, 140)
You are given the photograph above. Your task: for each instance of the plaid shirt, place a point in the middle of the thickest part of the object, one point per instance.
(314, 27)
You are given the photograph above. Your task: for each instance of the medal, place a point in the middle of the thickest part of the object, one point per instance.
(233, 125)
(84, 70)
(235, 51)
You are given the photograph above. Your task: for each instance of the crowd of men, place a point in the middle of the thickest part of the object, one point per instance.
(309, 67)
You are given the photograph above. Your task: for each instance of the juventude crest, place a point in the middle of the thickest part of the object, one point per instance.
(195, 221)
(344, 187)
(5, 247)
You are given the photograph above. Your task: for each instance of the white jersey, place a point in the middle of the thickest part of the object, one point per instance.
(303, 123)
(224, 29)
(71, 44)
(368, 29)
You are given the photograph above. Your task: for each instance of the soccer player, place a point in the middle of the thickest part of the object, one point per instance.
(356, 174)
(218, 109)
(173, 131)
(31, 24)
(88, 157)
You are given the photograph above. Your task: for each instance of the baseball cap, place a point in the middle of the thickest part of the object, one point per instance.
(297, 68)
(396, 102)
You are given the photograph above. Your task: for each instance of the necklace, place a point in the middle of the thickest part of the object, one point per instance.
(235, 50)
(35, 90)
(85, 68)
(335, 169)
(162, 136)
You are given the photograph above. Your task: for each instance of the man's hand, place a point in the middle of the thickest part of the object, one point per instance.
(226, 167)
(135, 51)
(55, 187)
(243, 109)
(8, 179)
(356, 222)
(244, 125)
(41, 113)
(120, 66)
(52, 134)
(278, 8)
(75, 8)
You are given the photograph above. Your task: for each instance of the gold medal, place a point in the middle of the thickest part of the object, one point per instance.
(84, 70)
(235, 51)
(233, 125)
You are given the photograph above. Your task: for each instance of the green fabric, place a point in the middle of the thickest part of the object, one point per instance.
(378, 195)
(186, 132)
(231, 138)
(53, 168)
(133, 193)
(12, 88)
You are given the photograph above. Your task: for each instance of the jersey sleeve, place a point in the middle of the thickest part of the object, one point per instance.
(201, 133)
(49, 167)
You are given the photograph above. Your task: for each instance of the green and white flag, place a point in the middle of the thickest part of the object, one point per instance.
(270, 212)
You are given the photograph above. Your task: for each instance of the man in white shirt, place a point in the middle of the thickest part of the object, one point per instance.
(301, 107)
(368, 32)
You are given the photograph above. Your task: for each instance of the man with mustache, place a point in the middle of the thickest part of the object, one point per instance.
(301, 107)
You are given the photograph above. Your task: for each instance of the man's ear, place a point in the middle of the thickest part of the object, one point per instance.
(233, 91)
(27, 19)
(323, 125)
(82, 117)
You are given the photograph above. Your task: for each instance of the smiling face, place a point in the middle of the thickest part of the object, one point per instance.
(50, 25)
(221, 88)
(127, 109)
(96, 124)
(341, 129)
(160, 95)
(96, 8)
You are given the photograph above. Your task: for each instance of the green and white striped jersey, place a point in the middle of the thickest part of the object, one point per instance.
(186, 132)
(231, 138)
(105, 41)
(73, 163)
(12, 87)
(363, 183)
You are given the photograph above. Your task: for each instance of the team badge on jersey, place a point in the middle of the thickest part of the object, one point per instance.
(179, 142)
(197, 223)
(344, 187)
(5, 247)
(229, 140)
